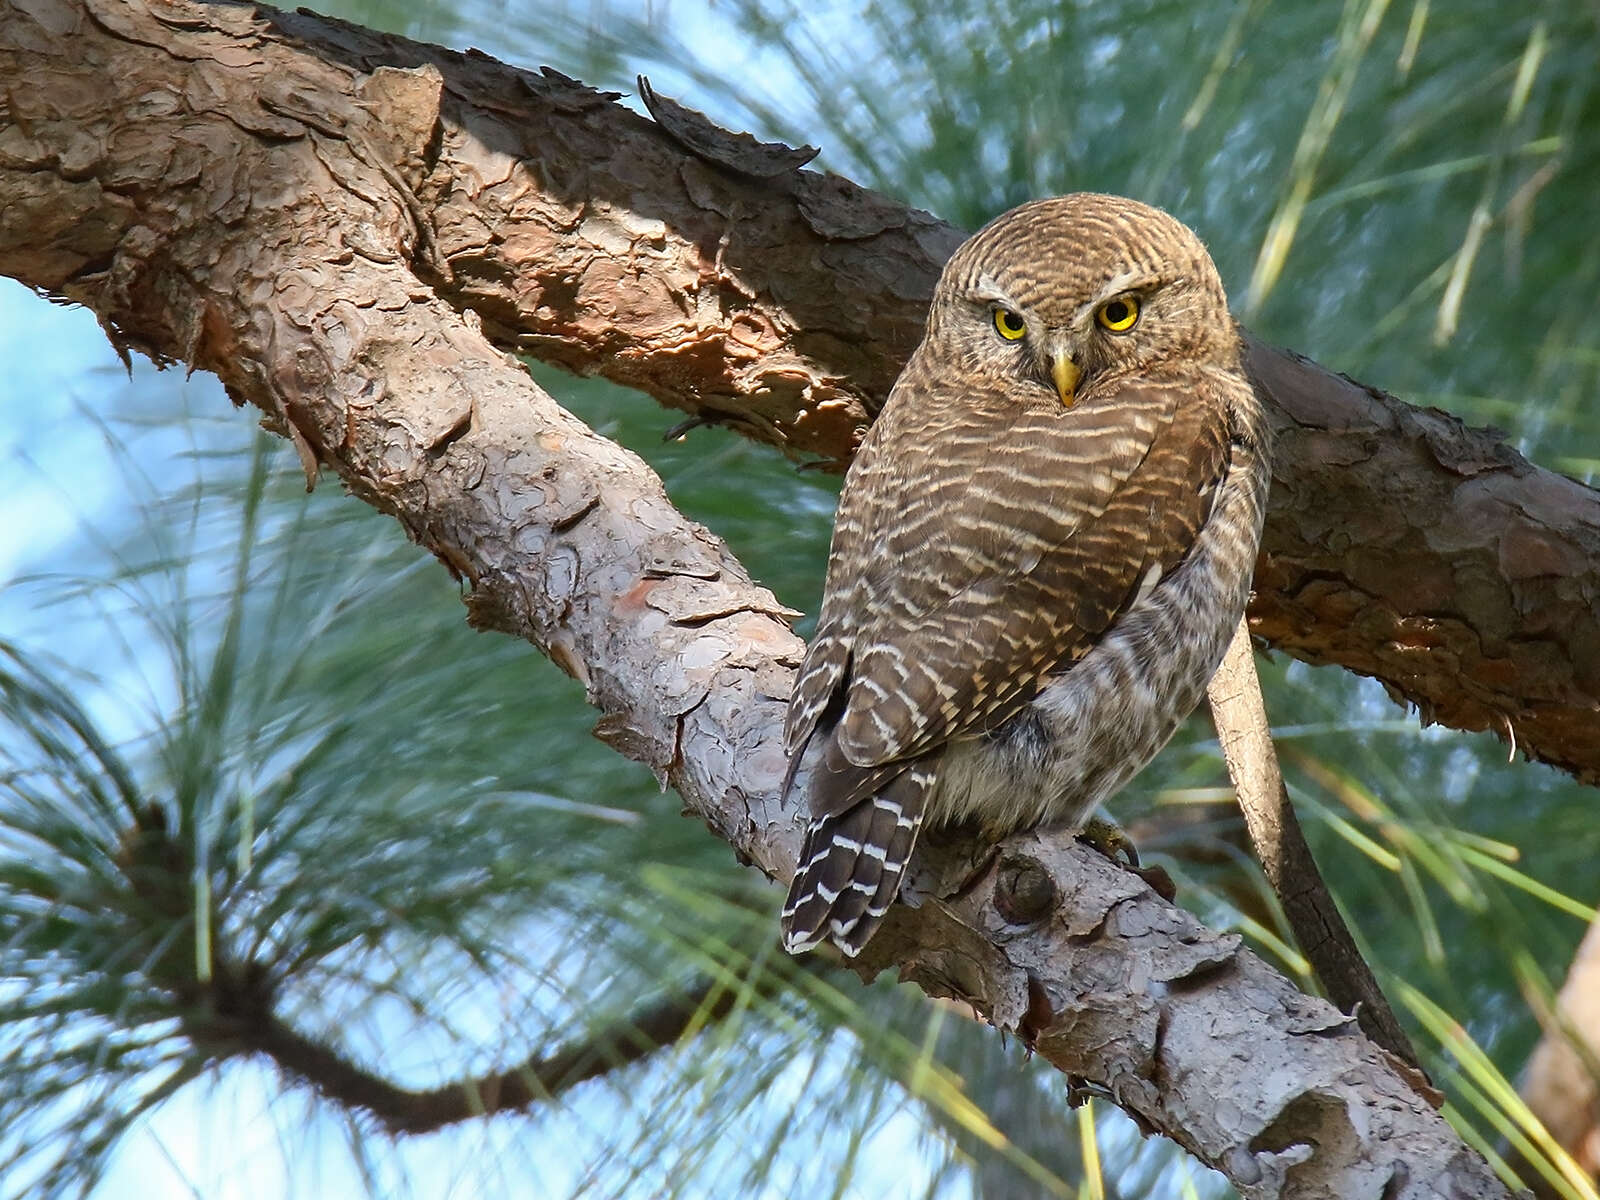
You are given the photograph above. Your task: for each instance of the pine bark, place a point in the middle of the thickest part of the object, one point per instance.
(1399, 543)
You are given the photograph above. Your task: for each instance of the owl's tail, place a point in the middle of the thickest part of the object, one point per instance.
(851, 865)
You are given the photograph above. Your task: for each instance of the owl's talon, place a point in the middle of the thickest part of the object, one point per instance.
(1109, 839)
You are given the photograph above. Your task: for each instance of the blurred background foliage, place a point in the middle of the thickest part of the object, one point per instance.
(249, 749)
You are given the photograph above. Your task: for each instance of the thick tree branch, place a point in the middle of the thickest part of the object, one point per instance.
(1399, 544)
(224, 193)
(1403, 545)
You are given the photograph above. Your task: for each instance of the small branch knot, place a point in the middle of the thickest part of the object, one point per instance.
(1023, 892)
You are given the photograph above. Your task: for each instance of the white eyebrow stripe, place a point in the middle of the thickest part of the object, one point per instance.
(986, 290)
(1121, 282)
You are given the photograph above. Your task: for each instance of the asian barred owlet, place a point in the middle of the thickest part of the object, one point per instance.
(1041, 551)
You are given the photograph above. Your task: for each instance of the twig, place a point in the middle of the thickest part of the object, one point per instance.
(536, 1079)
(1280, 844)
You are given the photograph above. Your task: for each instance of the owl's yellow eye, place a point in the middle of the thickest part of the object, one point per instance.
(1119, 315)
(1009, 324)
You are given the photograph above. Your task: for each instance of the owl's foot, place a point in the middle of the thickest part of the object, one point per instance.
(1110, 840)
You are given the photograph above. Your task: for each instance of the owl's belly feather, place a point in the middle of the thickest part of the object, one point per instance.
(1093, 727)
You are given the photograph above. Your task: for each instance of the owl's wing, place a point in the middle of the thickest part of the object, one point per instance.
(983, 545)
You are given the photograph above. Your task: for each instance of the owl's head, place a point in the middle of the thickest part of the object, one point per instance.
(1079, 290)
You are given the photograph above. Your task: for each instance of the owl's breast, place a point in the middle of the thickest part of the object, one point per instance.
(1094, 725)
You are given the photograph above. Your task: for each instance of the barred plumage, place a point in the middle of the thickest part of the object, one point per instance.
(853, 864)
(1041, 550)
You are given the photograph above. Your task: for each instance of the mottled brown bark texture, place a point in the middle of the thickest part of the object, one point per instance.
(1400, 543)
(349, 229)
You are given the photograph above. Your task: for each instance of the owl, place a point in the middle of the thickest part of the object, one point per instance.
(1041, 552)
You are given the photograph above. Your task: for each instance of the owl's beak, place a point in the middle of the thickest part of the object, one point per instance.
(1065, 373)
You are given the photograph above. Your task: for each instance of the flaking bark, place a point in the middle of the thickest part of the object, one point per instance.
(1399, 543)
(342, 226)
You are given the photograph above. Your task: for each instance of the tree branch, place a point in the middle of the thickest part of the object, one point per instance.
(234, 1012)
(537, 1079)
(1399, 543)
(1281, 848)
(1562, 1081)
(223, 188)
